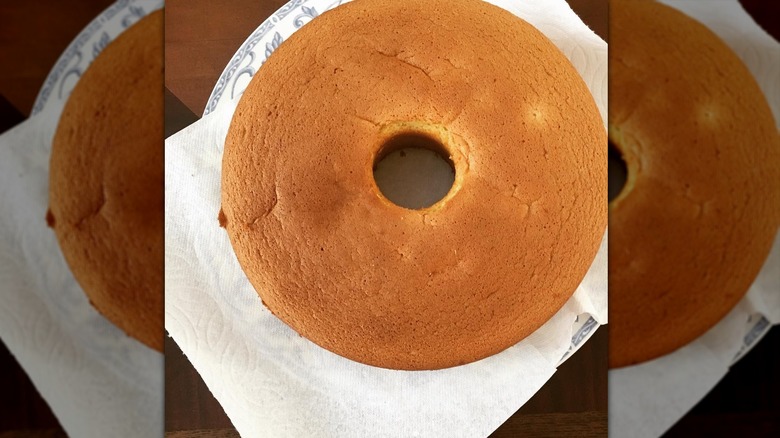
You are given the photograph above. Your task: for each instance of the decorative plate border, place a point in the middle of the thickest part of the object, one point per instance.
(583, 330)
(86, 47)
(260, 44)
(758, 326)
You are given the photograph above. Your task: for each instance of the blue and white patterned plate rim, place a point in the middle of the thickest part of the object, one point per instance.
(86, 47)
(758, 326)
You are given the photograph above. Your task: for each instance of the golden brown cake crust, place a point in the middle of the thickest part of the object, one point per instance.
(415, 289)
(106, 182)
(695, 222)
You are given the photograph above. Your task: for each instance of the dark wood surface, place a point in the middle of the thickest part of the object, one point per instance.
(36, 433)
(553, 425)
(200, 38)
(21, 406)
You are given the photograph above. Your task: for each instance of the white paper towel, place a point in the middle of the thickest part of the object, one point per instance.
(647, 399)
(97, 380)
(272, 382)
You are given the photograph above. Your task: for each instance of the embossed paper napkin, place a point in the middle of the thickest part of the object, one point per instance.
(272, 382)
(647, 399)
(98, 381)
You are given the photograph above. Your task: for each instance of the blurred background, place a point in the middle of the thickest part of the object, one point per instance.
(33, 35)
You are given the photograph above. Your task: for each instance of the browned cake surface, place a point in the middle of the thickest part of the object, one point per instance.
(106, 182)
(696, 219)
(416, 289)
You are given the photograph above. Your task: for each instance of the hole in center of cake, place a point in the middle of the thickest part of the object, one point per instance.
(617, 172)
(413, 171)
